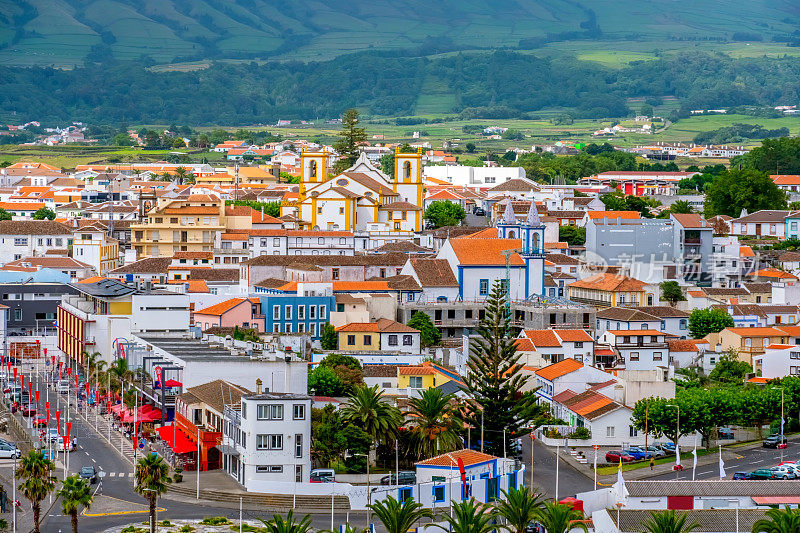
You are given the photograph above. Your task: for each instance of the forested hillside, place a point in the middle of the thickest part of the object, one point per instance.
(491, 85)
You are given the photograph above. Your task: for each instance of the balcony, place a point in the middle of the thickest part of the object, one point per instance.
(643, 344)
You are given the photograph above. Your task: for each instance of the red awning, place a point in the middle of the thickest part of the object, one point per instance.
(117, 408)
(182, 443)
(127, 416)
(152, 415)
(168, 384)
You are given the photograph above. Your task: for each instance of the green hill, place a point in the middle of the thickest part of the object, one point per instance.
(65, 33)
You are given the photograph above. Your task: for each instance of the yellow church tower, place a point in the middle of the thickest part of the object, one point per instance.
(407, 180)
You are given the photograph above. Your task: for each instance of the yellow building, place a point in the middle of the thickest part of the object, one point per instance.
(426, 376)
(610, 290)
(747, 342)
(187, 225)
(359, 337)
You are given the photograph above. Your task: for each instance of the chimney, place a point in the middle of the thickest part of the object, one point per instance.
(259, 386)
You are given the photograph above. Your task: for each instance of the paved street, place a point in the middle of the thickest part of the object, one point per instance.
(570, 481)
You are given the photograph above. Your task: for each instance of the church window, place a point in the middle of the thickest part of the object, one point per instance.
(511, 235)
(407, 169)
(312, 169)
(535, 243)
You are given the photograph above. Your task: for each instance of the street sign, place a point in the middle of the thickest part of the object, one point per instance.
(596, 446)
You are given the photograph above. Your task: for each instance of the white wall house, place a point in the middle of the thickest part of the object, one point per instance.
(296, 242)
(474, 176)
(267, 442)
(778, 361)
(643, 349)
(30, 238)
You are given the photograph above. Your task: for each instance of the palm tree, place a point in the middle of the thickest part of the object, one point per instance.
(75, 492)
(152, 478)
(785, 520)
(519, 508)
(399, 517)
(470, 516)
(434, 423)
(279, 525)
(367, 409)
(39, 481)
(181, 174)
(668, 522)
(560, 518)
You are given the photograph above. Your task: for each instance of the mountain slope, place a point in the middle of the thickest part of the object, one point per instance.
(66, 32)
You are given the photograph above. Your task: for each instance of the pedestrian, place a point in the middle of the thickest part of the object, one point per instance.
(652, 463)
(74, 443)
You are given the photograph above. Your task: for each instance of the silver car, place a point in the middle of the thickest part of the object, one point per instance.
(783, 472)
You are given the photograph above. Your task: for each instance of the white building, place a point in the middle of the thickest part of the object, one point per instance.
(435, 277)
(643, 349)
(31, 238)
(267, 442)
(298, 242)
(778, 361)
(93, 246)
(466, 176)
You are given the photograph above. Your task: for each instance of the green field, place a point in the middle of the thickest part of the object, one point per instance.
(68, 157)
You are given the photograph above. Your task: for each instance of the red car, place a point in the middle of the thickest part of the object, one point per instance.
(39, 421)
(616, 456)
(29, 410)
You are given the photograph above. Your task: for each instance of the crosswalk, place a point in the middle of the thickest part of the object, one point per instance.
(119, 474)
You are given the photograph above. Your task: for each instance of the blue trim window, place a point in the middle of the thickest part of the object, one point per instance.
(438, 493)
(683, 323)
(406, 493)
(512, 480)
(484, 287)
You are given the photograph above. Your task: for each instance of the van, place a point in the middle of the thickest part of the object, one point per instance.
(62, 386)
(323, 475)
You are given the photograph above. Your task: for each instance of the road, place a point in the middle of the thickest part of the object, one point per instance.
(745, 461)
(570, 481)
(94, 450)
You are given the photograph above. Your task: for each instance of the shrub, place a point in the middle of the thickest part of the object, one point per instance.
(581, 433)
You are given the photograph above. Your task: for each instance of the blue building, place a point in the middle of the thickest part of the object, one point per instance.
(289, 313)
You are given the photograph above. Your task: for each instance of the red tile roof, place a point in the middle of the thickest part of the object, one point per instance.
(562, 368)
(222, 307)
(468, 457)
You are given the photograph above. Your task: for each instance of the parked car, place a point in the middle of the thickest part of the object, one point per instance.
(761, 473)
(9, 450)
(668, 447)
(656, 451)
(739, 475)
(773, 441)
(89, 473)
(725, 433)
(62, 386)
(60, 445)
(28, 409)
(406, 478)
(637, 453)
(318, 478)
(39, 421)
(783, 472)
(479, 212)
(617, 456)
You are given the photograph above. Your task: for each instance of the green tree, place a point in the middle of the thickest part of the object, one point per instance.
(152, 480)
(288, 525)
(429, 334)
(470, 516)
(671, 292)
(178, 142)
(434, 422)
(495, 381)
(5, 215)
(729, 369)
(776, 156)
(470, 147)
(572, 235)
(75, 493)
(710, 320)
(38, 481)
(444, 213)
(759, 406)
(328, 439)
(519, 507)
(367, 409)
(669, 522)
(735, 190)
(329, 339)
(325, 382)
(560, 518)
(681, 207)
(182, 174)
(44, 213)
(122, 139)
(660, 416)
(399, 517)
(786, 520)
(348, 142)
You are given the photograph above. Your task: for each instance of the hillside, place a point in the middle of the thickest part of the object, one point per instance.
(64, 33)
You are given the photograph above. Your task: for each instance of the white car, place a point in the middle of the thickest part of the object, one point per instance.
(60, 446)
(9, 451)
(62, 386)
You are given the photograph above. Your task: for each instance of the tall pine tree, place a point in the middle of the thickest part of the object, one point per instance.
(349, 137)
(495, 380)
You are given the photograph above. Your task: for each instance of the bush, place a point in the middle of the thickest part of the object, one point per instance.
(581, 433)
(216, 521)
(553, 433)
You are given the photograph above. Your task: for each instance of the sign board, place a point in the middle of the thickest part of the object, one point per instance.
(438, 478)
